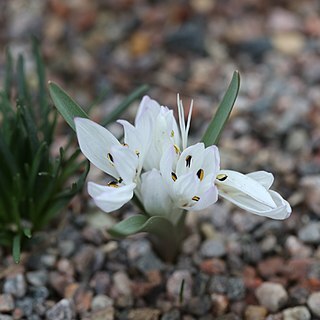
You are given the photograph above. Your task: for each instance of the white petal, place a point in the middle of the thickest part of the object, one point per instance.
(154, 192)
(184, 189)
(243, 188)
(108, 198)
(197, 157)
(211, 160)
(147, 105)
(206, 199)
(166, 166)
(263, 177)
(125, 162)
(95, 143)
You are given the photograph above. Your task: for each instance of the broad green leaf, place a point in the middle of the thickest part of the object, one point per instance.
(219, 120)
(68, 108)
(136, 94)
(129, 226)
(16, 248)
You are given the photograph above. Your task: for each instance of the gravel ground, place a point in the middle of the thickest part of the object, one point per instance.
(234, 265)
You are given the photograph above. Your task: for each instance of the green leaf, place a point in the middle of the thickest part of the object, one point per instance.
(68, 108)
(219, 120)
(8, 73)
(128, 226)
(16, 248)
(136, 94)
(27, 232)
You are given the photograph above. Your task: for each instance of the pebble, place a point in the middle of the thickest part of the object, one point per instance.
(122, 283)
(15, 285)
(100, 282)
(173, 314)
(296, 248)
(100, 302)
(310, 233)
(104, 314)
(6, 302)
(233, 287)
(138, 248)
(273, 296)
(199, 306)
(314, 303)
(191, 244)
(311, 187)
(149, 262)
(5, 317)
(63, 310)
(220, 304)
(144, 314)
(84, 259)
(213, 248)
(37, 278)
(213, 266)
(255, 313)
(174, 284)
(297, 313)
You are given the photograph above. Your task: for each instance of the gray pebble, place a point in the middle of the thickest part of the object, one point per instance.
(15, 285)
(100, 302)
(297, 313)
(314, 303)
(63, 310)
(213, 248)
(171, 315)
(310, 233)
(37, 278)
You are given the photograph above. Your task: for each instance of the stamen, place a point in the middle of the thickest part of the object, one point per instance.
(172, 134)
(188, 161)
(196, 198)
(176, 148)
(113, 184)
(173, 176)
(110, 157)
(125, 145)
(221, 177)
(200, 174)
(120, 180)
(137, 153)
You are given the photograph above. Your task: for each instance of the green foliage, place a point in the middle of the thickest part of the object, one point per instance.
(219, 120)
(32, 182)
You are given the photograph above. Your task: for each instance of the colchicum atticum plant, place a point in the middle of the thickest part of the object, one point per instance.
(167, 178)
(32, 182)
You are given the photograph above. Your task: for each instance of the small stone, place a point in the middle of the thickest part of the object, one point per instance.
(213, 266)
(104, 314)
(271, 267)
(314, 303)
(15, 285)
(296, 313)
(298, 295)
(199, 306)
(311, 187)
(233, 287)
(6, 302)
(37, 278)
(66, 248)
(255, 313)
(273, 296)
(213, 248)
(138, 248)
(101, 282)
(122, 283)
(219, 303)
(25, 305)
(174, 284)
(290, 43)
(100, 302)
(191, 244)
(149, 262)
(310, 233)
(63, 310)
(82, 299)
(143, 314)
(268, 243)
(84, 259)
(296, 248)
(171, 315)
(5, 317)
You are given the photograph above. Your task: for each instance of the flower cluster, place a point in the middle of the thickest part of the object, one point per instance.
(156, 164)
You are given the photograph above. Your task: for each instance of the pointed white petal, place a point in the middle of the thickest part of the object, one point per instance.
(243, 188)
(211, 160)
(108, 198)
(263, 177)
(196, 152)
(147, 105)
(206, 199)
(125, 162)
(156, 199)
(95, 143)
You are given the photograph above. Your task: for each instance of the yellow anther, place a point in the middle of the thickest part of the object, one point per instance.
(137, 153)
(196, 198)
(176, 148)
(221, 177)
(200, 174)
(113, 184)
(173, 176)
(125, 145)
(188, 161)
(172, 134)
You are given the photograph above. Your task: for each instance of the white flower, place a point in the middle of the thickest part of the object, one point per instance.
(121, 161)
(251, 193)
(190, 176)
